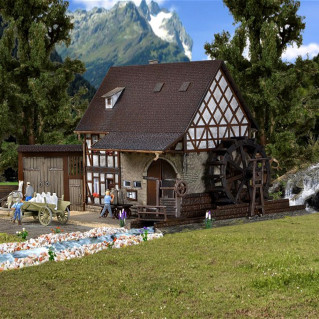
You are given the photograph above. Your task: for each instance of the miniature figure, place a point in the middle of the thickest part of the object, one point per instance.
(108, 199)
(17, 212)
(29, 192)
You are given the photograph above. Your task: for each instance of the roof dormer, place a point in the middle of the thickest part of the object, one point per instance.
(112, 96)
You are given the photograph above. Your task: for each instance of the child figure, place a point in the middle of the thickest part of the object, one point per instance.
(17, 212)
(108, 199)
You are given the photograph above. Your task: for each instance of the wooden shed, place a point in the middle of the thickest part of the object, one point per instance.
(55, 169)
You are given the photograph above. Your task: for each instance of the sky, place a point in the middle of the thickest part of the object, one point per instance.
(203, 18)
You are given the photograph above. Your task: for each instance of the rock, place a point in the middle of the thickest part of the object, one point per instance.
(313, 202)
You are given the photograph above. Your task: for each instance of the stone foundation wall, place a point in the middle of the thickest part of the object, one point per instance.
(189, 167)
(193, 170)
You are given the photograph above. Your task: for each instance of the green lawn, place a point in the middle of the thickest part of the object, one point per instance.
(260, 270)
(9, 183)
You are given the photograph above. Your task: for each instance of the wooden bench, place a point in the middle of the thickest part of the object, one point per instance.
(151, 213)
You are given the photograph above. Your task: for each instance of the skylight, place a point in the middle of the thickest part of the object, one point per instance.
(184, 86)
(158, 86)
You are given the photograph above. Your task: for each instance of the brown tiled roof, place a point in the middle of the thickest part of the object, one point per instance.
(140, 110)
(127, 141)
(49, 148)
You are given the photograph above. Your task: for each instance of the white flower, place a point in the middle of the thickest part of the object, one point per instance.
(23, 229)
(17, 232)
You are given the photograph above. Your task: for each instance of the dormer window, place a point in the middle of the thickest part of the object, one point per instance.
(112, 96)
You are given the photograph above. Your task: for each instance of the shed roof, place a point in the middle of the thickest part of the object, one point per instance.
(49, 148)
(140, 110)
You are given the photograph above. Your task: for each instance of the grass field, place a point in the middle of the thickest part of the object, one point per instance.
(9, 183)
(259, 270)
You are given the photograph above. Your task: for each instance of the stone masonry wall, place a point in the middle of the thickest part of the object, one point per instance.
(193, 171)
(188, 167)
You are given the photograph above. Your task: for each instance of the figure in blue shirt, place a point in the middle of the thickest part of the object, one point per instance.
(17, 212)
(108, 199)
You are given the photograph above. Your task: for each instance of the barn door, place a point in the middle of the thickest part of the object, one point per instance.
(53, 175)
(44, 174)
(32, 167)
(75, 186)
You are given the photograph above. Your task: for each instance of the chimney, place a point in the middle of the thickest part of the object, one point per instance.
(152, 61)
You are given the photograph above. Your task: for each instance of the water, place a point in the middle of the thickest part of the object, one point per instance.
(67, 245)
(306, 180)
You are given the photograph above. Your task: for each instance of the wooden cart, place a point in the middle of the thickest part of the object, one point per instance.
(44, 212)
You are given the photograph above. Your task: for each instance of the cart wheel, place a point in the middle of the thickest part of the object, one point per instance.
(45, 216)
(64, 216)
(128, 213)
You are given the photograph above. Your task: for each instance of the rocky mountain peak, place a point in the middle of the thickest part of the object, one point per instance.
(126, 34)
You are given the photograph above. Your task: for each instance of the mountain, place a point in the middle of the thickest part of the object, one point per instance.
(124, 35)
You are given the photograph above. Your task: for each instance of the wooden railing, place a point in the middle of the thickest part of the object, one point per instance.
(151, 213)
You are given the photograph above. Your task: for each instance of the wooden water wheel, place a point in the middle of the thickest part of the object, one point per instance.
(229, 171)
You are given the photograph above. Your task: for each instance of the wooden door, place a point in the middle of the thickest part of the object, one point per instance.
(53, 175)
(160, 170)
(154, 171)
(32, 172)
(75, 186)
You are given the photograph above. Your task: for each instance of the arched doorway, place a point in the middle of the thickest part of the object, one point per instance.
(158, 170)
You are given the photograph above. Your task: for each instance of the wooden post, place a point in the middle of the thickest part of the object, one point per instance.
(157, 192)
(257, 183)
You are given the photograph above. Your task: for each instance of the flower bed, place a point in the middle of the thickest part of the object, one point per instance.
(67, 246)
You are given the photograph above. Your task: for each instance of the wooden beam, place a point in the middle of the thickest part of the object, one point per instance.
(66, 189)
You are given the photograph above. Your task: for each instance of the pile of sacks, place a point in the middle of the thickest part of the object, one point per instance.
(41, 245)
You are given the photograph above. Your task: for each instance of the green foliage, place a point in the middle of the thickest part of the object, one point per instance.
(8, 156)
(33, 95)
(283, 97)
(41, 97)
(52, 254)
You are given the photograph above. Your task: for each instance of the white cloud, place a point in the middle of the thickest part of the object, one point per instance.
(107, 4)
(292, 52)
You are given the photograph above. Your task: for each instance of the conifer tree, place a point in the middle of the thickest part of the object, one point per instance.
(34, 103)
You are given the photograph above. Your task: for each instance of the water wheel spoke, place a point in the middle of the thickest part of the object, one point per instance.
(235, 165)
(234, 178)
(239, 191)
(243, 157)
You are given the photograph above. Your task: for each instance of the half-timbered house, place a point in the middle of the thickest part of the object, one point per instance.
(151, 124)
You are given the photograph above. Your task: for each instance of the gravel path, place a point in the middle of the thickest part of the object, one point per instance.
(79, 221)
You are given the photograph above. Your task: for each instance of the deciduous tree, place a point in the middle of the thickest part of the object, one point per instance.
(277, 92)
